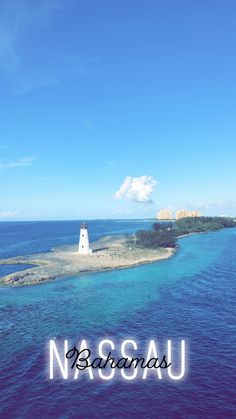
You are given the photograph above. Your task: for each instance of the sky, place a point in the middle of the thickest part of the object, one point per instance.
(116, 108)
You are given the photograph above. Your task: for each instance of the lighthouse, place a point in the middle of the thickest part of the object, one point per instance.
(84, 240)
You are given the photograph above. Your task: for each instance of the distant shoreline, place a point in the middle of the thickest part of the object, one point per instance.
(109, 253)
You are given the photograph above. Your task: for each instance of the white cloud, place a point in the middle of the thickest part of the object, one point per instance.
(8, 214)
(29, 83)
(218, 207)
(18, 20)
(137, 189)
(20, 68)
(25, 161)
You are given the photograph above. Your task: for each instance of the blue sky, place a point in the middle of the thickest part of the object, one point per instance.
(93, 92)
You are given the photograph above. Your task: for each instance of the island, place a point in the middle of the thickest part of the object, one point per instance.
(165, 234)
(108, 253)
(113, 252)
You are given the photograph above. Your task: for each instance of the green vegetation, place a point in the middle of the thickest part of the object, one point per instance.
(166, 234)
(201, 224)
(154, 239)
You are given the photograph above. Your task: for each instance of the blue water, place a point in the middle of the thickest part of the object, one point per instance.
(190, 296)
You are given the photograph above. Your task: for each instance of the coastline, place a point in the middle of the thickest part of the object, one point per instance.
(109, 253)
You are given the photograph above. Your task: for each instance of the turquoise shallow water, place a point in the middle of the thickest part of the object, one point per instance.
(190, 296)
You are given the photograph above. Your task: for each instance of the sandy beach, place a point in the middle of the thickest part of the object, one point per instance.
(108, 253)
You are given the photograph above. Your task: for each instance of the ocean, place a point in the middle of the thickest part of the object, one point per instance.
(190, 296)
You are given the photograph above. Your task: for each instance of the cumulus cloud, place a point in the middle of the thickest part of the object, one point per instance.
(137, 189)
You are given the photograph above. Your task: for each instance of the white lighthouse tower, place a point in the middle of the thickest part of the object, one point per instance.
(84, 240)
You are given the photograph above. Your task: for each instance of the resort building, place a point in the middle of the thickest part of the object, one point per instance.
(164, 214)
(195, 213)
(182, 213)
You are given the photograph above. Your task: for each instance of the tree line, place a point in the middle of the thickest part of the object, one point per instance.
(165, 234)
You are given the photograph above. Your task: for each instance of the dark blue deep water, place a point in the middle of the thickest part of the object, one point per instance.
(190, 296)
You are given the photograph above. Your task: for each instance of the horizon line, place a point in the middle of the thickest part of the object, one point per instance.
(105, 219)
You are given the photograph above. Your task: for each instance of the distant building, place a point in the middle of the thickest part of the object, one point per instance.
(182, 213)
(84, 240)
(195, 213)
(164, 214)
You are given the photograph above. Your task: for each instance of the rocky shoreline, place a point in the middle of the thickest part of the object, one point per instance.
(108, 253)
